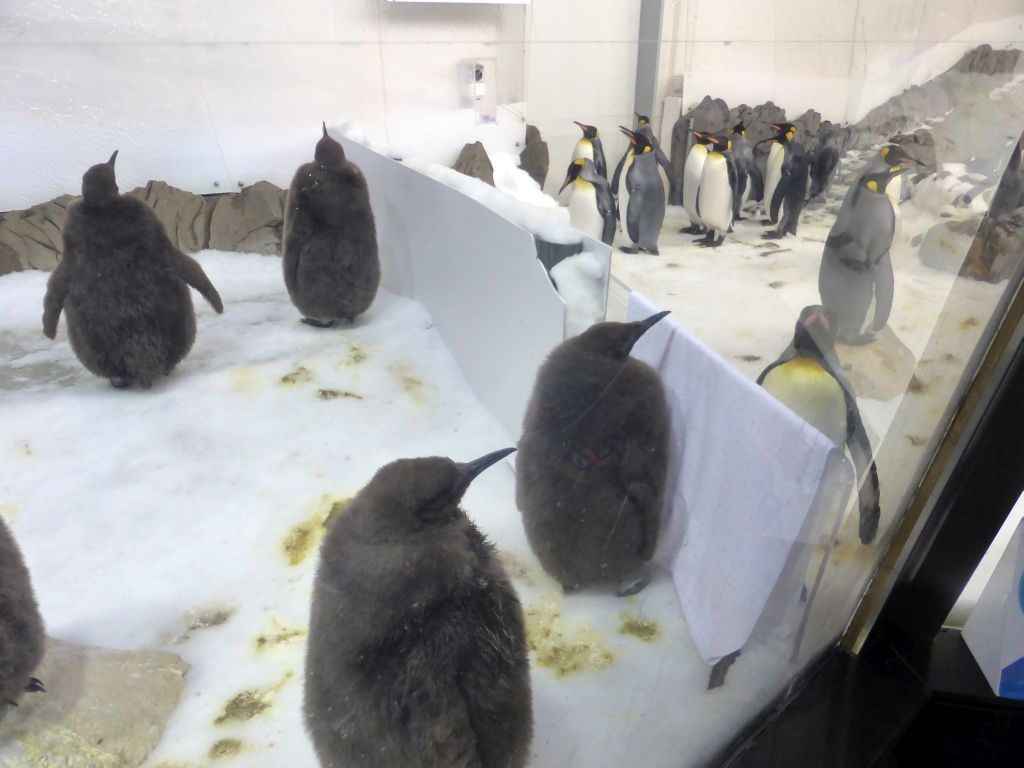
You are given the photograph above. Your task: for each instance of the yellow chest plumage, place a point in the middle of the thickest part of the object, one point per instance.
(810, 391)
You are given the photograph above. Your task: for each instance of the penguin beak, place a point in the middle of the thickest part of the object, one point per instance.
(469, 471)
(570, 176)
(629, 134)
(113, 157)
(643, 326)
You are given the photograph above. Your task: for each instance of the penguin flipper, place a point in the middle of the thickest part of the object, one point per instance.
(188, 270)
(633, 211)
(663, 161)
(734, 185)
(756, 182)
(884, 288)
(600, 164)
(778, 197)
(618, 172)
(56, 292)
(784, 358)
(868, 494)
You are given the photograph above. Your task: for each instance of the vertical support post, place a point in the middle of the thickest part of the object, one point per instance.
(647, 52)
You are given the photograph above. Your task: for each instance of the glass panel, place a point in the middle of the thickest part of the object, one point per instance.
(682, 542)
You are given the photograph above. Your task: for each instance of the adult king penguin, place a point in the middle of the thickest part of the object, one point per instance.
(693, 170)
(417, 654)
(591, 207)
(808, 379)
(589, 146)
(856, 271)
(784, 133)
(718, 194)
(643, 126)
(644, 212)
(749, 181)
(593, 459)
(824, 159)
(123, 286)
(790, 191)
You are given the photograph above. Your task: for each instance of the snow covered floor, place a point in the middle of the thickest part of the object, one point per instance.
(743, 298)
(187, 518)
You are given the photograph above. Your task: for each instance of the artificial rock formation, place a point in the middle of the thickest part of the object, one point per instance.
(534, 158)
(250, 221)
(473, 161)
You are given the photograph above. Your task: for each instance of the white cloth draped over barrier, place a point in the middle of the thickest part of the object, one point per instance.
(743, 476)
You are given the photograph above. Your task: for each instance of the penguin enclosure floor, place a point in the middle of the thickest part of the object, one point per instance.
(187, 518)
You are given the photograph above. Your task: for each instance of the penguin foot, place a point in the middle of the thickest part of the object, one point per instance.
(627, 249)
(634, 584)
(766, 222)
(693, 229)
(145, 384)
(120, 382)
(717, 677)
(773, 235)
(858, 341)
(652, 251)
(317, 323)
(35, 685)
(714, 243)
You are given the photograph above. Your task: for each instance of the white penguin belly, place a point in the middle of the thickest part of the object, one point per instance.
(893, 189)
(692, 173)
(809, 391)
(583, 149)
(714, 198)
(772, 174)
(583, 213)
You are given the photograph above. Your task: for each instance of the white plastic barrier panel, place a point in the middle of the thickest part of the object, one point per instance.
(475, 272)
(995, 631)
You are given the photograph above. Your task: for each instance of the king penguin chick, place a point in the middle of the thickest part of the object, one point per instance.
(593, 458)
(856, 270)
(21, 626)
(589, 147)
(693, 170)
(417, 653)
(645, 210)
(330, 260)
(808, 379)
(591, 207)
(790, 190)
(123, 286)
(718, 196)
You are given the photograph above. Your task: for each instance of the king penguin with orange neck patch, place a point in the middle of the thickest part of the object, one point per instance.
(589, 146)
(717, 196)
(645, 210)
(808, 379)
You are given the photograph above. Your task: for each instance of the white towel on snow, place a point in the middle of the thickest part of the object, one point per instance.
(743, 475)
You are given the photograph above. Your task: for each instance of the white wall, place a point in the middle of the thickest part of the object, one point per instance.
(841, 58)
(580, 65)
(209, 94)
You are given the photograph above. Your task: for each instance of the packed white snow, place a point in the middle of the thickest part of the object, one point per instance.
(146, 515)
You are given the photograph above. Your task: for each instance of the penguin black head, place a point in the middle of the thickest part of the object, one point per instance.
(99, 185)
(329, 153)
(589, 131)
(784, 132)
(616, 340)
(642, 120)
(575, 167)
(638, 140)
(718, 143)
(895, 156)
(877, 182)
(411, 495)
(740, 128)
(815, 331)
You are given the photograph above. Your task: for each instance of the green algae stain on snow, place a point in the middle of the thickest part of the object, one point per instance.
(305, 537)
(225, 748)
(642, 629)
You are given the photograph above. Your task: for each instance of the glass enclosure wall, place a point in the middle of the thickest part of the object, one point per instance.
(180, 526)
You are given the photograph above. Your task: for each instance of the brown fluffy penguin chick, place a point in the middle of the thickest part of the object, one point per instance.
(330, 260)
(592, 461)
(417, 653)
(21, 626)
(123, 286)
